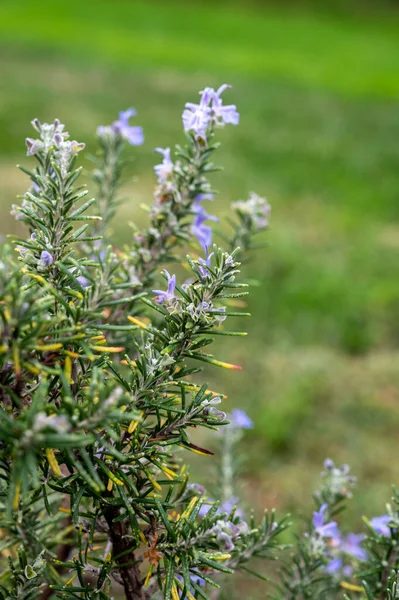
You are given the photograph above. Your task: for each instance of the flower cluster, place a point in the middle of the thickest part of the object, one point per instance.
(333, 546)
(47, 139)
(255, 211)
(326, 558)
(210, 111)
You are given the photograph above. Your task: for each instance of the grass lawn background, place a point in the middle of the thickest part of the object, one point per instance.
(318, 94)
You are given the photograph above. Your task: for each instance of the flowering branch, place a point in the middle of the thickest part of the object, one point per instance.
(97, 394)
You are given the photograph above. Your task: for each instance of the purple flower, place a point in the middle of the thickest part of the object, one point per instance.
(197, 117)
(352, 545)
(325, 530)
(165, 169)
(334, 566)
(48, 133)
(200, 230)
(227, 114)
(228, 505)
(132, 134)
(199, 198)
(380, 525)
(255, 211)
(104, 131)
(347, 571)
(33, 146)
(196, 488)
(83, 281)
(329, 464)
(240, 419)
(205, 508)
(225, 507)
(101, 255)
(46, 258)
(204, 264)
(169, 294)
(194, 579)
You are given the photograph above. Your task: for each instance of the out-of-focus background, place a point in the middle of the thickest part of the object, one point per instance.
(317, 85)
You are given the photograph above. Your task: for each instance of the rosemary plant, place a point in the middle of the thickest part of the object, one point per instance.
(101, 392)
(99, 377)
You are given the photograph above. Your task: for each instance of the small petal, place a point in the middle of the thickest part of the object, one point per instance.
(46, 258)
(380, 525)
(334, 566)
(239, 418)
(132, 134)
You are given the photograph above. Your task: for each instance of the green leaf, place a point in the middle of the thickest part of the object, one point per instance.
(165, 519)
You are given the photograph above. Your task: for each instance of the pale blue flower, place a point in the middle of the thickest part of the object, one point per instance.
(380, 525)
(325, 530)
(228, 505)
(197, 206)
(205, 508)
(227, 114)
(200, 197)
(194, 579)
(329, 464)
(104, 131)
(352, 545)
(239, 418)
(165, 169)
(197, 117)
(33, 146)
(205, 263)
(225, 507)
(83, 281)
(334, 566)
(255, 211)
(347, 571)
(199, 229)
(46, 258)
(169, 294)
(132, 134)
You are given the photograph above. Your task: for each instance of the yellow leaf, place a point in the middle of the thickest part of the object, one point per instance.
(52, 461)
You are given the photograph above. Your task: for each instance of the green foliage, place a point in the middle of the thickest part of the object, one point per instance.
(88, 434)
(328, 160)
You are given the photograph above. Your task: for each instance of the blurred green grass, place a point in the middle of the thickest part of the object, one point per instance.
(318, 93)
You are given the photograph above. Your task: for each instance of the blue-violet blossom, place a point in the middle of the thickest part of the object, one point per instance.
(200, 230)
(380, 525)
(132, 134)
(240, 419)
(165, 169)
(46, 259)
(197, 117)
(325, 530)
(169, 294)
